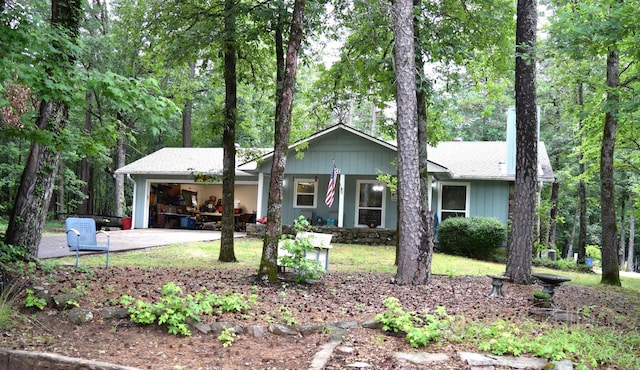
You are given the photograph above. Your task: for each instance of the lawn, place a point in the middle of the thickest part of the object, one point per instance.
(343, 257)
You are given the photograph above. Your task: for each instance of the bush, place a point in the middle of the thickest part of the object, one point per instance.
(474, 237)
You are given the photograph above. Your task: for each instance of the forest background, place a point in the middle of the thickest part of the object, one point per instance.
(148, 74)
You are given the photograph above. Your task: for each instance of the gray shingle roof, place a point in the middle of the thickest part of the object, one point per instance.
(479, 160)
(181, 161)
(482, 160)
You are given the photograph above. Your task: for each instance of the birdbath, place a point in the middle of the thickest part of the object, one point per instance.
(496, 285)
(550, 282)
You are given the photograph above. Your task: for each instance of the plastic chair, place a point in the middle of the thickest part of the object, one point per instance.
(82, 236)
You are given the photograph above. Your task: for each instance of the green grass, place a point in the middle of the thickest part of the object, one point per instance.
(342, 257)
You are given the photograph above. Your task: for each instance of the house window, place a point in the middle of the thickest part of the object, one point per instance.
(306, 193)
(454, 201)
(370, 206)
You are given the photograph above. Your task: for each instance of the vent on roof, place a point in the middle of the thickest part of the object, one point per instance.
(458, 139)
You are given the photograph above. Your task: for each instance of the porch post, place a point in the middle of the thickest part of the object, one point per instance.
(341, 202)
(260, 192)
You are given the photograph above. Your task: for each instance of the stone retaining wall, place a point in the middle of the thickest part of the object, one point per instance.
(341, 235)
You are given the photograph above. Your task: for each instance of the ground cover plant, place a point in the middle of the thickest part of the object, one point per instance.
(453, 313)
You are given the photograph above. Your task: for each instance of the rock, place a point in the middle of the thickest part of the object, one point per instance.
(345, 324)
(422, 358)
(310, 329)
(337, 336)
(114, 313)
(521, 362)
(43, 293)
(65, 301)
(359, 365)
(476, 359)
(199, 325)
(371, 324)
(219, 327)
(562, 365)
(280, 329)
(345, 349)
(255, 331)
(79, 315)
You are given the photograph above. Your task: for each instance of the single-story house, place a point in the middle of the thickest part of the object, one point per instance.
(468, 179)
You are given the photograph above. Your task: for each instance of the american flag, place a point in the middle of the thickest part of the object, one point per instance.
(332, 187)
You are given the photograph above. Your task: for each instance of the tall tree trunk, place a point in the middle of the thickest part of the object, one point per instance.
(425, 251)
(632, 233)
(187, 111)
(610, 272)
(622, 244)
(37, 182)
(121, 155)
(410, 271)
(61, 203)
(227, 253)
(553, 215)
(520, 249)
(268, 263)
(582, 190)
(567, 250)
(85, 164)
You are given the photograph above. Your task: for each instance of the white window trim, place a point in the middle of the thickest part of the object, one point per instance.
(295, 193)
(384, 201)
(453, 183)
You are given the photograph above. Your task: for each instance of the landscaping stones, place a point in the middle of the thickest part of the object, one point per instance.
(79, 315)
(65, 301)
(114, 313)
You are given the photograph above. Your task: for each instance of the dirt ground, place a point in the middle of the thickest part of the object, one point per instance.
(343, 297)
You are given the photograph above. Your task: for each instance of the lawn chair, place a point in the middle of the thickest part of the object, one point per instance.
(81, 236)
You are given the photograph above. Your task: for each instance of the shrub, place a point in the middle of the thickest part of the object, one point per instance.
(304, 269)
(474, 237)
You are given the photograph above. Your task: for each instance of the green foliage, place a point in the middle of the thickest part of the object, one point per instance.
(174, 308)
(32, 300)
(295, 259)
(286, 316)
(586, 345)
(10, 254)
(561, 264)
(420, 331)
(227, 337)
(594, 251)
(475, 237)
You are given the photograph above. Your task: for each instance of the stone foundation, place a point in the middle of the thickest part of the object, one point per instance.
(341, 235)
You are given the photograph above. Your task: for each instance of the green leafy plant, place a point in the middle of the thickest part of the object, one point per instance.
(295, 259)
(32, 300)
(420, 331)
(227, 337)
(587, 346)
(175, 308)
(286, 316)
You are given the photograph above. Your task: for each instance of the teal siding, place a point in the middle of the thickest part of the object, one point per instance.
(487, 199)
(356, 156)
(289, 214)
(490, 199)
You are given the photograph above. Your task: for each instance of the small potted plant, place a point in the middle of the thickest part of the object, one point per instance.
(542, 299)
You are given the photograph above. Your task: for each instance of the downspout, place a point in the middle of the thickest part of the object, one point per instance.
(133, 203)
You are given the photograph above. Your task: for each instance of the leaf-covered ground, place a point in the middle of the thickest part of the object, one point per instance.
(340, 296)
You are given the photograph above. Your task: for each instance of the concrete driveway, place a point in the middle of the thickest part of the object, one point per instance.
(55, 244)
